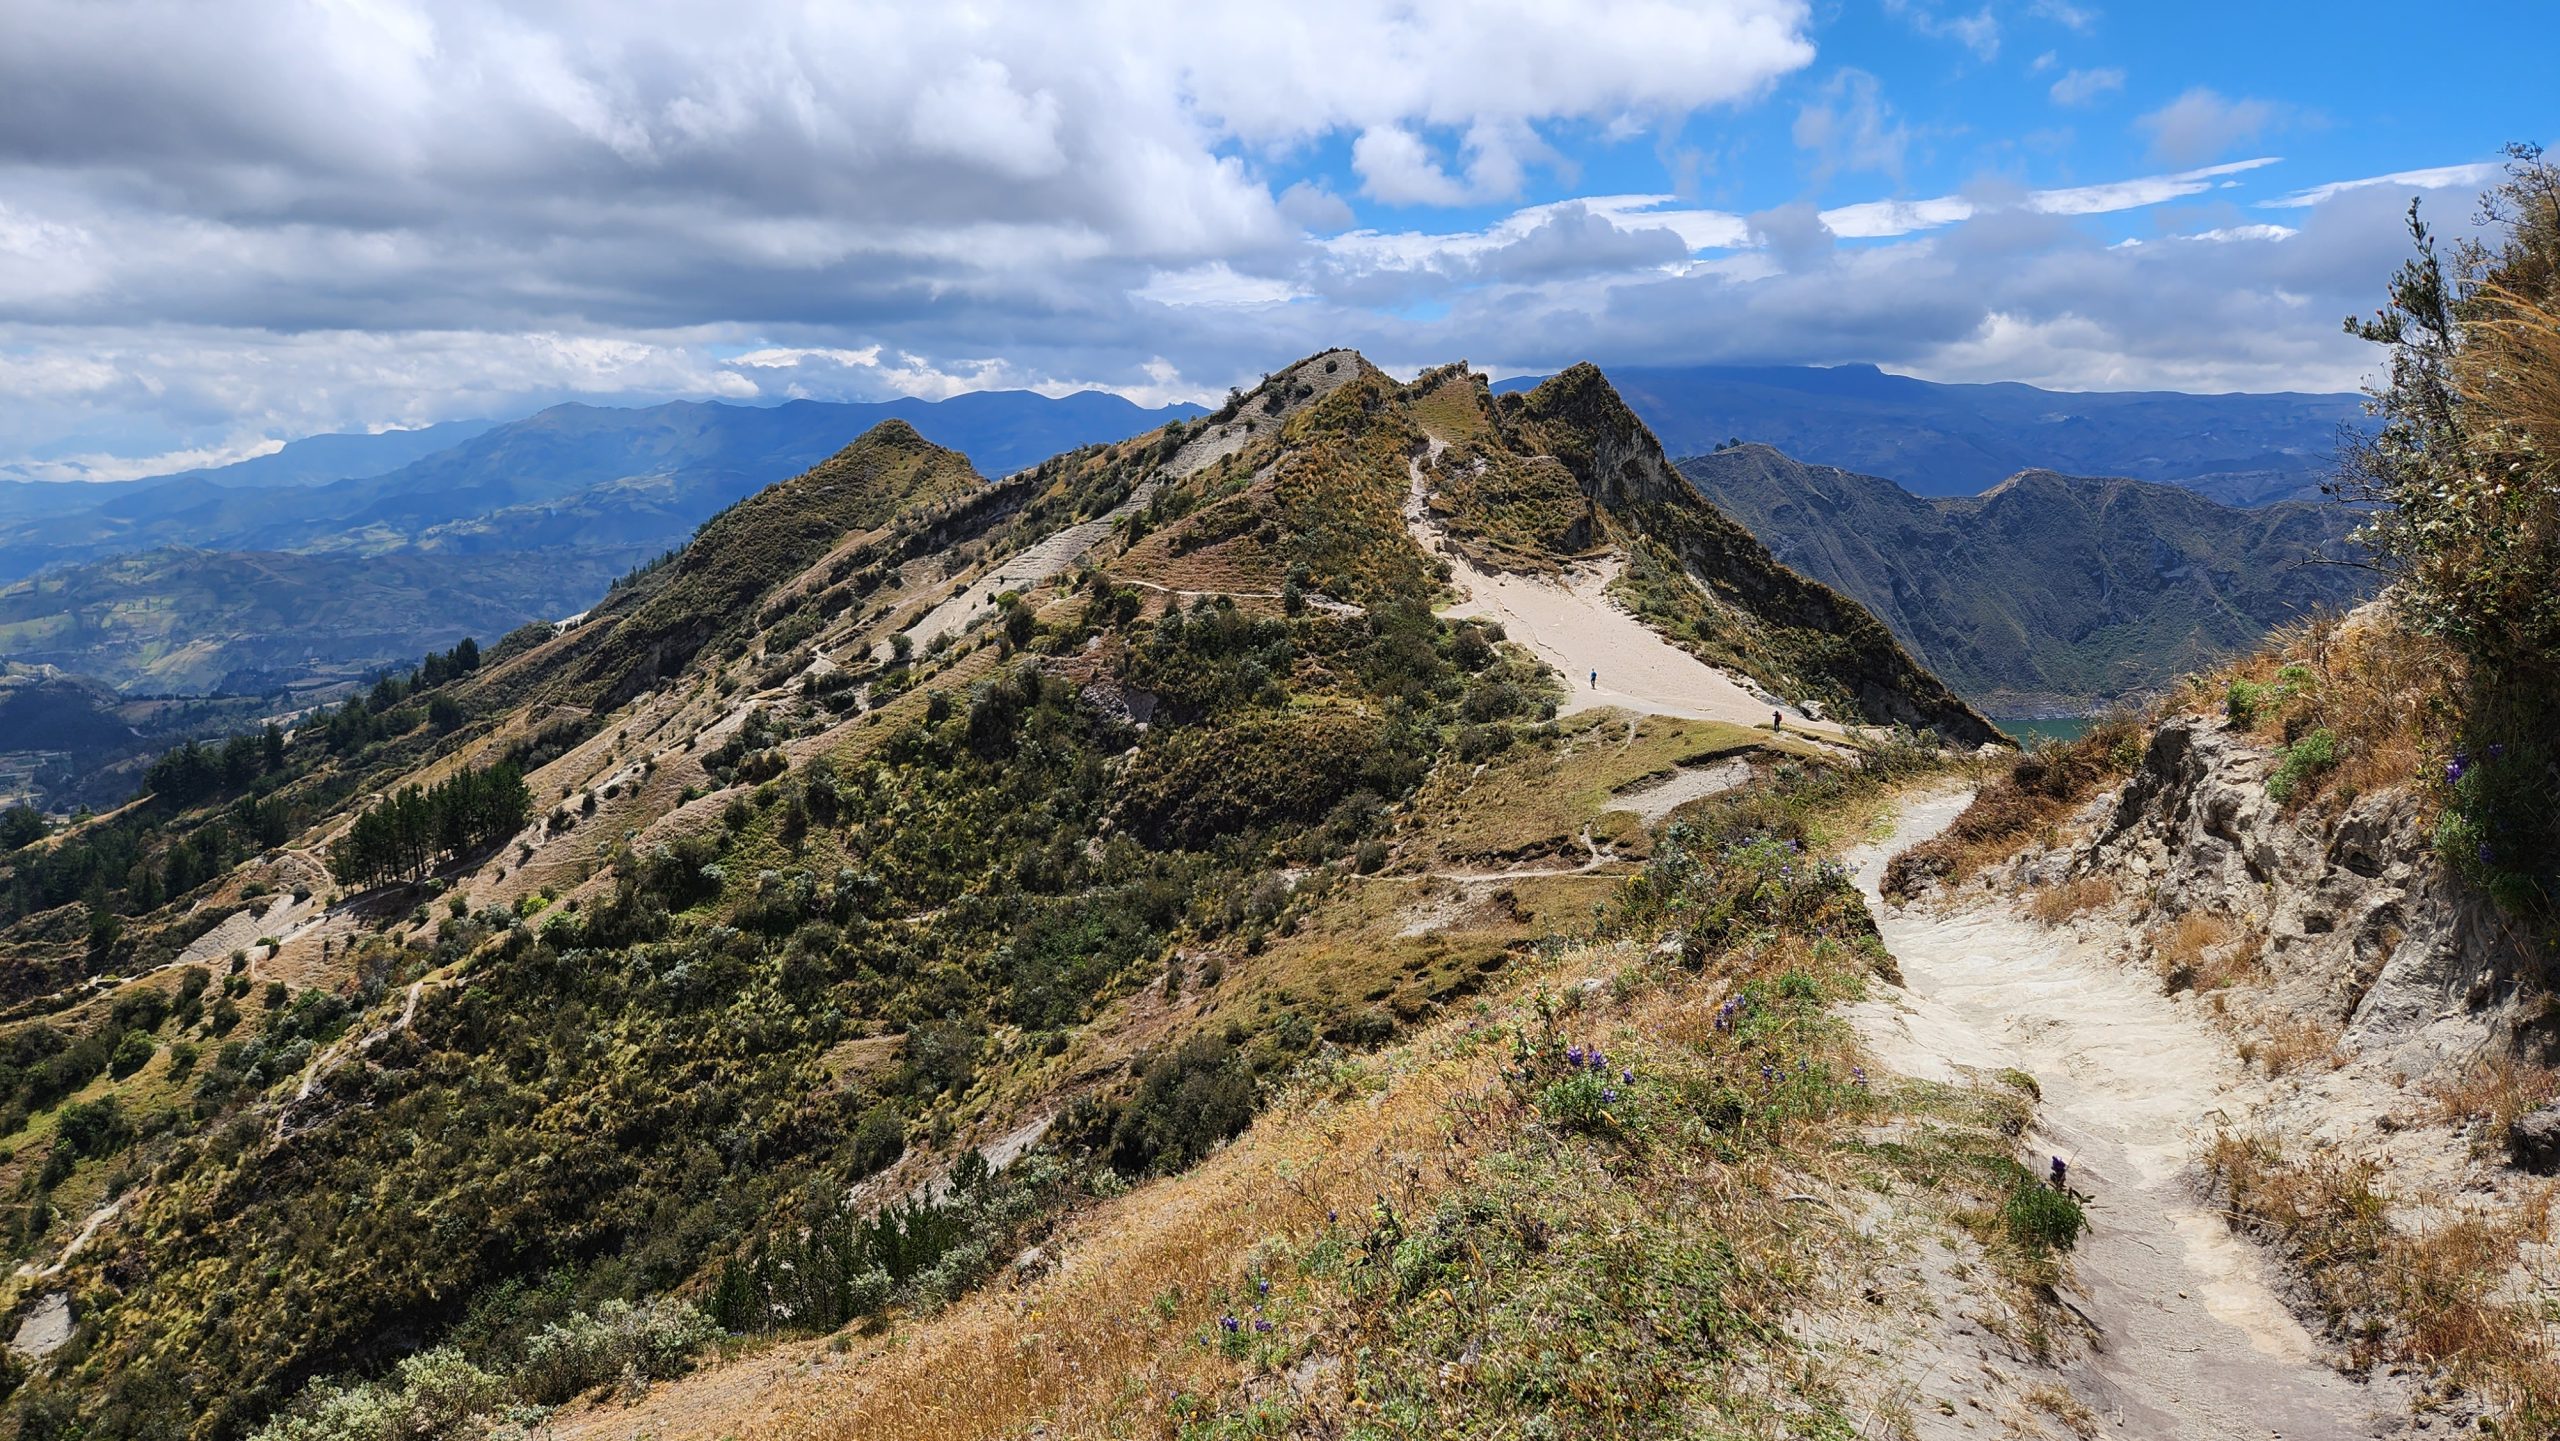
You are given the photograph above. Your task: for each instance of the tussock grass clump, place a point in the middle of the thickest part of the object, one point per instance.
(2202, 951)
(2495, 1093)
(2056, 904)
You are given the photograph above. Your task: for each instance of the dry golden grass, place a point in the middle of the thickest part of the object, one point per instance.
(2494, 1093)
(2203, 951)
(2055, 904)
(2373, 684)
(2066, 1408)
(2435, 1295)
(2293, 1043)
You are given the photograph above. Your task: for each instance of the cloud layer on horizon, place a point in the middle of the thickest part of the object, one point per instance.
(220, 225)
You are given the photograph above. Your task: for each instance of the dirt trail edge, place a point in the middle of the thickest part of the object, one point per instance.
(2193, 1342)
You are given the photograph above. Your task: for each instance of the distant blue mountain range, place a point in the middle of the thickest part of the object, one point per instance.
(596, 477)
(1938, 440)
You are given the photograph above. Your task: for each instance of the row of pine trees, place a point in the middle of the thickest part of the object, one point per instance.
(415, 827)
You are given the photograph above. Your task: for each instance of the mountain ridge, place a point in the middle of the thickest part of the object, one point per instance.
(860, 833)
(2046, 592)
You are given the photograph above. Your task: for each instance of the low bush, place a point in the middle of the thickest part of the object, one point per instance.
(1187, 1103)
(651, 1341)
(2302, 764)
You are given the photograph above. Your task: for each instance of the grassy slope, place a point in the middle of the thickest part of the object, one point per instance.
(968, 919)
(1461, 1234)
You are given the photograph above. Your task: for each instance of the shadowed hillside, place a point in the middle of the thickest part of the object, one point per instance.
(2047, 593)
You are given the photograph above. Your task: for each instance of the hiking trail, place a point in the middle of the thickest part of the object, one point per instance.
(2193, 1342)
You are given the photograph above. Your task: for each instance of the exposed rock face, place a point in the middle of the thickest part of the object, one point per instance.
(2534, 1140)
(2363, 928)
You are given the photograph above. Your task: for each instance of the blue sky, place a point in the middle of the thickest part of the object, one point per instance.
(279, 219)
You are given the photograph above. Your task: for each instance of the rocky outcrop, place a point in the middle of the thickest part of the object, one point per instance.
(2362, 929)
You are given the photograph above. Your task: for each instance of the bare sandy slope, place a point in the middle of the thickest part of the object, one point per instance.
(1607, 657)
(1045, 561)
(2193, 1344)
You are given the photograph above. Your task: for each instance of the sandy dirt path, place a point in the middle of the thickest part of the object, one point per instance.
(1606, 656)
(1045, 560)
(2194, 1344)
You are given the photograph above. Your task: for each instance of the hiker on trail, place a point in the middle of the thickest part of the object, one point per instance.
(1595, 680)
(1777, 722)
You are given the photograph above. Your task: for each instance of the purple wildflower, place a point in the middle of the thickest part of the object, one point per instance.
(2453, 769)
(1262, 1287)
(1573, 1055)
(2498, 752)
(1627, 1077)
(1229, 1324)
(1608, 1093)
(1260, 1325)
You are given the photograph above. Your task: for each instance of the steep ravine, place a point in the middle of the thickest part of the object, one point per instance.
(2189, 1339)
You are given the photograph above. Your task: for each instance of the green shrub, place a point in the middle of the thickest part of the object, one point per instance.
(653, 1341)
(132, 1054)
(1187, 1103)
(2242, 702)
(2039, 1217)
(430, 1397)
(2303, 761)
(879, 1139)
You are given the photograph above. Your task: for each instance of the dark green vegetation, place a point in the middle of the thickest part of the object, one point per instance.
(1959, 439)
(812, 907)
(417, 828)
(2466, 475)
(2047, 592)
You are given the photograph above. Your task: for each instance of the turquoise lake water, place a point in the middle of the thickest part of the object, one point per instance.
(2045, 729)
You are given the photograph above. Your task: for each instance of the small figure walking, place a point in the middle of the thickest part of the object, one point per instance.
(1595, 680)
(1777, 722)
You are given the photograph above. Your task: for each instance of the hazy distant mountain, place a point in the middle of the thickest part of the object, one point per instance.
(181, 621)
(195, 583)
(1958, 439)
(648, 476)
(311, 460)
(2047, 592)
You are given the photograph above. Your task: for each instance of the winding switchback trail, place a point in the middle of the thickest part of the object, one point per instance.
(2193, 1344)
